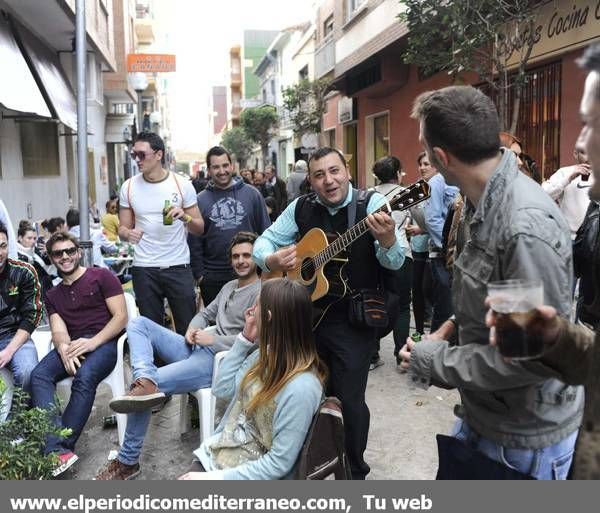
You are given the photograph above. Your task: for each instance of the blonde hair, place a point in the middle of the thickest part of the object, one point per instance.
(286, 341)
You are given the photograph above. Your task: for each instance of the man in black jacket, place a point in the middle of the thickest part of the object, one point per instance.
(20, 313)
(279, 188)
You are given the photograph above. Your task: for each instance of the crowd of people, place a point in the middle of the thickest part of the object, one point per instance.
(489, 217)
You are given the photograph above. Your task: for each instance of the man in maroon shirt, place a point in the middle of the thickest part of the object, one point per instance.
(87, 314)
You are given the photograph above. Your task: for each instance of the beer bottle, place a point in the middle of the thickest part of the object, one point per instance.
(416, 337)
(167, 219)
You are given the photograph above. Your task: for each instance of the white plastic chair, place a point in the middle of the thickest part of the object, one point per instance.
(6, 400)
(206, 402)
(115, 380)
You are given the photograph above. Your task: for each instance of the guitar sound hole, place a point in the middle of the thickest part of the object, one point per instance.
(308, 269)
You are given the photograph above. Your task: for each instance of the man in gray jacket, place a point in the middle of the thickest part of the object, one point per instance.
(296, 179)
(189, 360)
(516, 413)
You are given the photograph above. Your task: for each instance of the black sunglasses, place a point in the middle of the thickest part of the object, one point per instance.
(141, 155)
(57, 253)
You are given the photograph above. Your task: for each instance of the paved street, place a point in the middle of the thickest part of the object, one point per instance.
(401, 443)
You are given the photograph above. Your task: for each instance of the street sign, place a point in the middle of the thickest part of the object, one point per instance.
(150, 62)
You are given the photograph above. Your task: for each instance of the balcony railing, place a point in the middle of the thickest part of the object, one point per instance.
(325, 58)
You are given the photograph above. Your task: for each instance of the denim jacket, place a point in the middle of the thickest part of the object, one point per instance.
(516, 231)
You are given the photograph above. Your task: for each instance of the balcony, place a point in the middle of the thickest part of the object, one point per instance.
(236, 79)
(325, 58)
(144, 31)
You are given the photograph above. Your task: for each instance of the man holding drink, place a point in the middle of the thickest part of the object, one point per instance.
(513, 411)
(157, 209)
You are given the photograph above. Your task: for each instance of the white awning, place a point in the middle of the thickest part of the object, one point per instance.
(18, 89)
(50, 75)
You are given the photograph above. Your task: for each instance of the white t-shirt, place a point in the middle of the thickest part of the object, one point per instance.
(161, 245)
(572, 197)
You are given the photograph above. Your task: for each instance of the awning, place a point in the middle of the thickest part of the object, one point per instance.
(18, 90)
(50, 77)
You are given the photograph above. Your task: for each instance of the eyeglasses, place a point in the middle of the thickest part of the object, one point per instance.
(57, 253)
(141, 155)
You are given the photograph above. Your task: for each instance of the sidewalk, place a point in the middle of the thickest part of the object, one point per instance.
(402, 445)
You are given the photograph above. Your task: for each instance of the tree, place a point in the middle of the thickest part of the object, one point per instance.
(260, 123)
(237, 142)
(481, 36)
(305, 104)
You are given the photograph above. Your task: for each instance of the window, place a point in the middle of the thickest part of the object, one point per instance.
(351, 7)
(539, 116)
(328, 26)
(330, 138)
(39, 147)
(273, 88)
(351, 149)
(303, 73)
(381, 140)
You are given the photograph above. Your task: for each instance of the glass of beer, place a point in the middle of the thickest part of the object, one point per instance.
(518, 324)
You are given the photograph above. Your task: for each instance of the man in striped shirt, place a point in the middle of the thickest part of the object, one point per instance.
(20, 313)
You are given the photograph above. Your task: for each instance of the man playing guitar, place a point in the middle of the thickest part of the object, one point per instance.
(334, 206)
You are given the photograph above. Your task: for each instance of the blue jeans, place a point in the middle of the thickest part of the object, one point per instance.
(22, 363)
(187, 369)
(441, 293)
(97, 365)
(548, 463)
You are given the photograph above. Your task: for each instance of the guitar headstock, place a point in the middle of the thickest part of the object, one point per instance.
(411, 196)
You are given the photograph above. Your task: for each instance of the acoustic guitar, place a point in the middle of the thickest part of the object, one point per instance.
(322, 256)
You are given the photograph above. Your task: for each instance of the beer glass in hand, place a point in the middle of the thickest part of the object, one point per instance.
(518, 323)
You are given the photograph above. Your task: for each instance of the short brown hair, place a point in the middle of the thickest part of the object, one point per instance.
(461, 120)
(242, 238)
(61, 237)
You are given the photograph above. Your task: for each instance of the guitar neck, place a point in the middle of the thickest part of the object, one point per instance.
(402, 201)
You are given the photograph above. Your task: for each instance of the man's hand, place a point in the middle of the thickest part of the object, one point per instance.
(134, 235)
(250, 331)
(202, 338)
(6, 356)
(580, 170)
(413, 229)
(444, 332)
(547, 320)
(382, 227)
(176, 213)
(189, 336)
(81, 346)
(405, 353)
(283, 260)
(70, 364)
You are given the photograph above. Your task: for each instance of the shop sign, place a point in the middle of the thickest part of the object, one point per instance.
(559, 26)
(150, 62)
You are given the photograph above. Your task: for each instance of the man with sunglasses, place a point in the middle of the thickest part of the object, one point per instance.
(189, 359)
(161, 264)
(87, 314)
(20, 313)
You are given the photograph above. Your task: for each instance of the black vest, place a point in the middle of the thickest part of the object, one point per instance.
(362, 270)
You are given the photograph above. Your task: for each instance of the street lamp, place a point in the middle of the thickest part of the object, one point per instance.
(139, 82)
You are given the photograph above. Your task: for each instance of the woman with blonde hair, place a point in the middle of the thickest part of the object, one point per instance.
(274, 390)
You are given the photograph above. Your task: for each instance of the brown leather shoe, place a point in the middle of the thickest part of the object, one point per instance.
(143, 394)
(116, 470)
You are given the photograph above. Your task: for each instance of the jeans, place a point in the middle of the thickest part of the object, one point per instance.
(442, 292)
(187, 369)
(152, 284)
(97, 365)
(23, 361)
(549, 463)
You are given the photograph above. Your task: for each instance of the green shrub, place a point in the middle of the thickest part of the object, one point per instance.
(23, 438)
